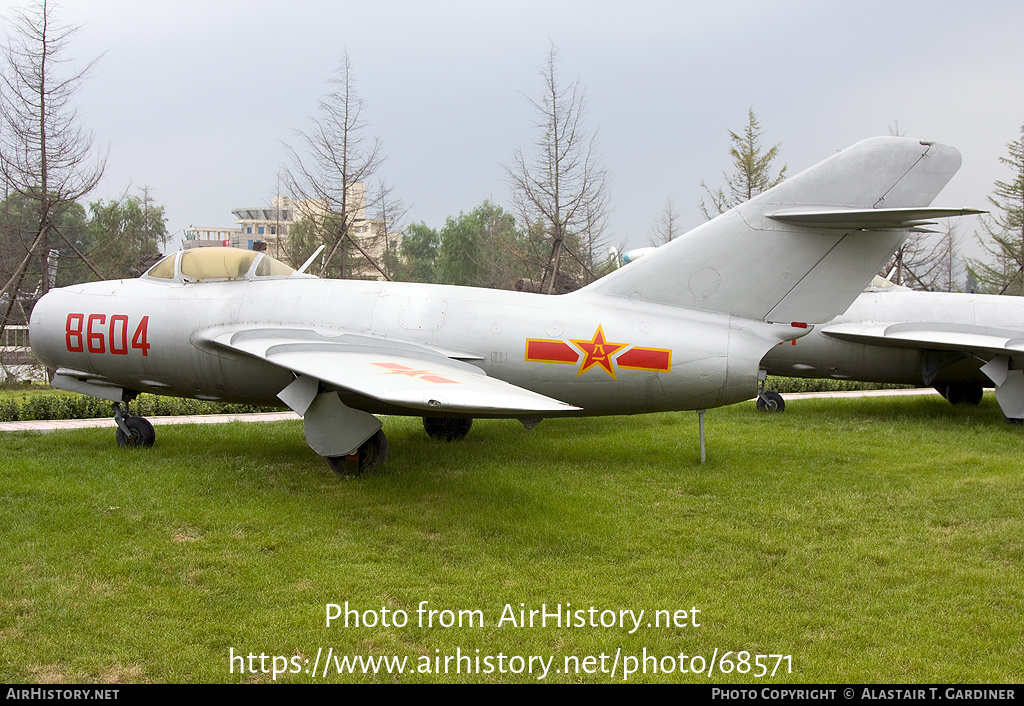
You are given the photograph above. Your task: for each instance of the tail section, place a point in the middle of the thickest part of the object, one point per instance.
(803, 250)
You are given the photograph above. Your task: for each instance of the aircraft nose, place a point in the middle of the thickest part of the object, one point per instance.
(45, 329)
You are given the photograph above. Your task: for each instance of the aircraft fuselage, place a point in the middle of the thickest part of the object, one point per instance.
(821, 356)
(606, 355)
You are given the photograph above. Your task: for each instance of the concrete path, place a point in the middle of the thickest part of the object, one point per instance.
(43, 426)
(860, 393)
(109, 421)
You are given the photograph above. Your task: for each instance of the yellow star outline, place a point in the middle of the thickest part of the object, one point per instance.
(598, 351)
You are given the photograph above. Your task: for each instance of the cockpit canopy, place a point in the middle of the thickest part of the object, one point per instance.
(219, 264)
(881, 284)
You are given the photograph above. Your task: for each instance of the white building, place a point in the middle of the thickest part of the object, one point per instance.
(268, 228)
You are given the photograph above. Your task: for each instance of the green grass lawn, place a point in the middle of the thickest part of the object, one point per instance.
(872, 540)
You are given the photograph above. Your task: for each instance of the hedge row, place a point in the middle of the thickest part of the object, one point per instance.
(783, 385)
(64, 406)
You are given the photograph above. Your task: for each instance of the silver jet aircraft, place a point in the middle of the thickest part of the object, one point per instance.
(956, 343)
(684, 328)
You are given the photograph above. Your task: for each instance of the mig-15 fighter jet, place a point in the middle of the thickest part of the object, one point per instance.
(684, 328)
(956, 343)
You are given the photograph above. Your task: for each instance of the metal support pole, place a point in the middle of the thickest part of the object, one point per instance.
(700, 416)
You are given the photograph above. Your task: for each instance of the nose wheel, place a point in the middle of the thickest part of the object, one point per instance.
(131, 430)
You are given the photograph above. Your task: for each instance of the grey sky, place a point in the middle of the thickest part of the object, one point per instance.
(194, 99)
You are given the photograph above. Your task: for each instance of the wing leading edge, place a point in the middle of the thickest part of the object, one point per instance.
(983, 341)
(397, 373)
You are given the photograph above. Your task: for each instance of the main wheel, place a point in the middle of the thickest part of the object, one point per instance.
(141, 433)
(963, 393)
(372, 452)
(447, 428)
(769, 401)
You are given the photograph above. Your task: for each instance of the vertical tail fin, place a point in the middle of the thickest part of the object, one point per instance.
(804, 249)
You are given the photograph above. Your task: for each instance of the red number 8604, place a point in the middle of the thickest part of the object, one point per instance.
(98, 335)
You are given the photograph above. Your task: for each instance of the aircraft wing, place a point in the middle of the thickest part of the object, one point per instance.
(965, 338)
(398, 373)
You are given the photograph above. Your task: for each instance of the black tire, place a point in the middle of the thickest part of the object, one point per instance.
(770, 401)
(447, 428)
(141, 433)
(373, 452)
(964, 393)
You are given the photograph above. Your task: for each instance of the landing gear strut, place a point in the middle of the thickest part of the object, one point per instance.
(131, 430)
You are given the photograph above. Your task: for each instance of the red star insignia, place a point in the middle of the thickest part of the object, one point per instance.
(598, 351)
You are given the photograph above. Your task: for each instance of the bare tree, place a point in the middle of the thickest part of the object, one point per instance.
(390, 212)
(561, 186)
(950, 271)
(927, 262)
(46, 156)
(912, 264)
(667, 228)
(330, 170)
(593, 245)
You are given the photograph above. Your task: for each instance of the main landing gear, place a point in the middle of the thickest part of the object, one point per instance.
(447, 428)
(770, 401)
(374, 451)
(132, 430)
(962, 393)
(767, 400)
(371, 452)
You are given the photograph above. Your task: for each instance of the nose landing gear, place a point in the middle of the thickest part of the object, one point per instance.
(132, 430)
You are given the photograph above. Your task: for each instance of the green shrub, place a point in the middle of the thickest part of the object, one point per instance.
(47, 403)
(784, 385)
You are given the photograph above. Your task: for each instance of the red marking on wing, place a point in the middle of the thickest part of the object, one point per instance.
(425, 375)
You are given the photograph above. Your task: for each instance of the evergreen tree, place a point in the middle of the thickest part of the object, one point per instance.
(752, 171)
(1003, 230)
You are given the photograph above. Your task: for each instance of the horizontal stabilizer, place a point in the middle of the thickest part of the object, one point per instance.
(870, 219)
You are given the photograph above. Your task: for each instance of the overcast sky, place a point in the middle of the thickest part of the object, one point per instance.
(195, 99)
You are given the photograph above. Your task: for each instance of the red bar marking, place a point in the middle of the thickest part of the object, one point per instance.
(539, 350)
(653, 359)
